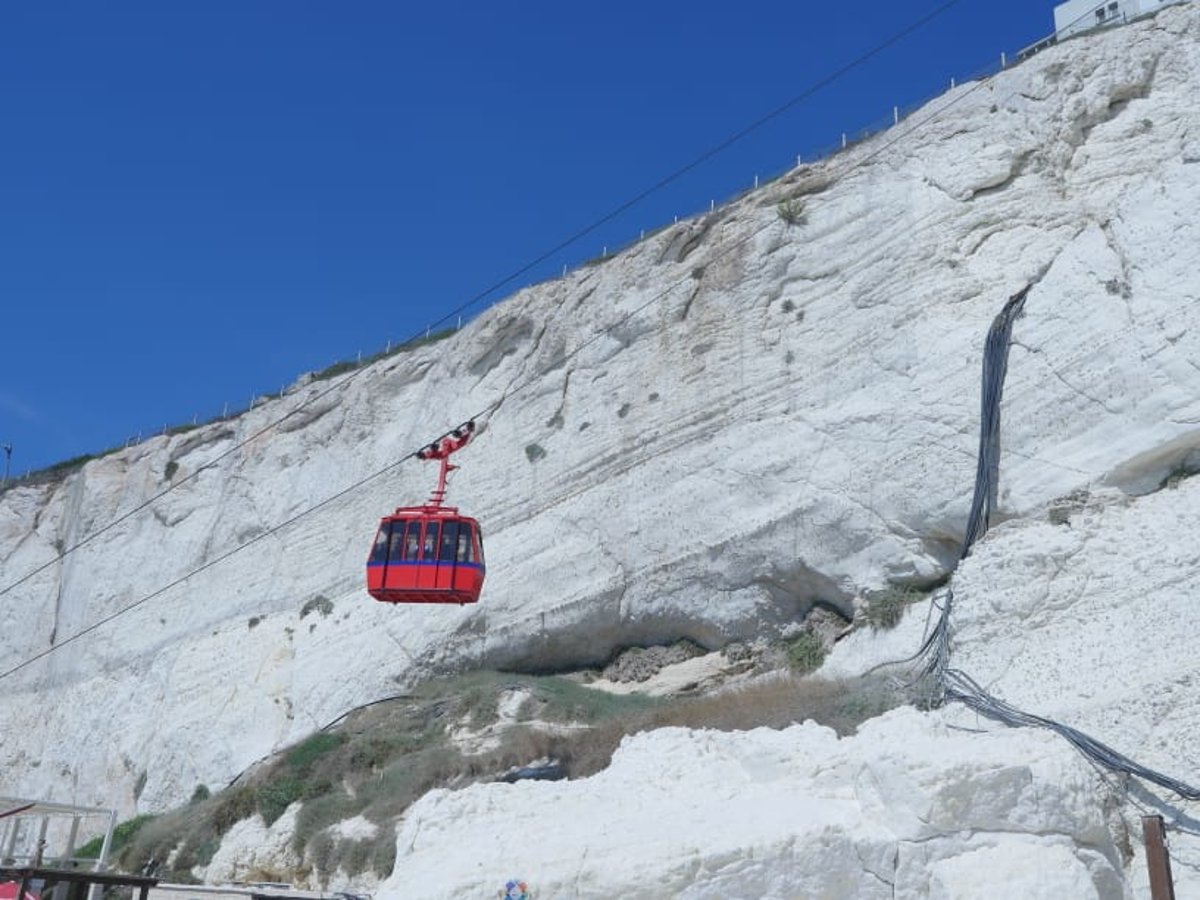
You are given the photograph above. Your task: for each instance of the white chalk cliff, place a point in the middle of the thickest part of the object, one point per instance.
(702, 437)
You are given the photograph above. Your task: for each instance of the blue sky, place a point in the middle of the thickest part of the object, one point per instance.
(200, 202)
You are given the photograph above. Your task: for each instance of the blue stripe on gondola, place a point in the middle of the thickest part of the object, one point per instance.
(425, 562)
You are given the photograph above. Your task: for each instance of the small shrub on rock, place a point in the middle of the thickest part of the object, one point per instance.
(805, 652)
(886, 608)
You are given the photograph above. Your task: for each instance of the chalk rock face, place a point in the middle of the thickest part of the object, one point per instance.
(905, 809)
(1084, 617)
(252, 850)
(700, 438)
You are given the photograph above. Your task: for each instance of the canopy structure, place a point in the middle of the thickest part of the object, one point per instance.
(37, 832)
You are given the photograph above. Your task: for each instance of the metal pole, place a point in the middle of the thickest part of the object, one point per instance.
(7, 448)
(102, 859)
(1158, 861)
(72, 837)
(41, 843)
(895, 115)
(10, 853)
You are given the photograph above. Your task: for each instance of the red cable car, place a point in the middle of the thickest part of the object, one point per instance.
(430, 553)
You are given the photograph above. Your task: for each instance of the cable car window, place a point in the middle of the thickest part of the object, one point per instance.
(480, 560)
(449, 541)
(397, 542)
(466, 544)
(412, 540)
(379, 551)
(431, 539)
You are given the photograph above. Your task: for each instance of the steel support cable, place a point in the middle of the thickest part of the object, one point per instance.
(575, 237)
(481, 414)
(950, 684)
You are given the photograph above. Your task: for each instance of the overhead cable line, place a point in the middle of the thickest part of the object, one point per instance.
(713, 151)
(513, 276)
(275, 529)
(734, 245)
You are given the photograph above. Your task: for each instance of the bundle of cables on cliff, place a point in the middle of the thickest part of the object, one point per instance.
(934, 681)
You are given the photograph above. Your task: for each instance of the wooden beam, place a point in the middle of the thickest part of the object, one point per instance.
(1158, 861)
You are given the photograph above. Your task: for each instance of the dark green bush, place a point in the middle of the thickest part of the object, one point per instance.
(307, 752)
(272, 798)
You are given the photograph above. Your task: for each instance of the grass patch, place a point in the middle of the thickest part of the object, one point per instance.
(885, 608)
(304, 755)
(123, 834)
(231, 806)
(563, 700)
(381, 759)
(841, 704)
(773, 703)
(805, 652)
(274, 797)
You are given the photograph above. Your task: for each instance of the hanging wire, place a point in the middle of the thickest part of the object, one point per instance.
(945, 683)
